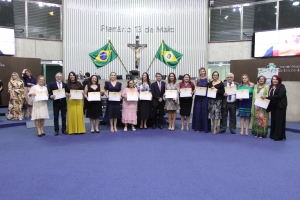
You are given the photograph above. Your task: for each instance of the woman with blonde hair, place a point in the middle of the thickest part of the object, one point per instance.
(16, 91)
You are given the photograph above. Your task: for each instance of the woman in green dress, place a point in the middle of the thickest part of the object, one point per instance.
(259, 116)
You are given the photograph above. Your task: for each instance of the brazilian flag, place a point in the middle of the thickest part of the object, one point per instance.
(104, 55)
(168, 55)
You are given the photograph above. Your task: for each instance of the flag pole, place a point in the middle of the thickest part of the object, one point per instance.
(118, 56)
(153, 58)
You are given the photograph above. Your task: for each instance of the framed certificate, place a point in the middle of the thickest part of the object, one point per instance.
(185, 92)
(242, 94)
(171, 94)
(132, 96)
(59, 94)
(76, 94)
(114, 96)
(230, 90)
(263, 103)
(200, 91)
(40, 96)
(94, 96)
(212, 92)
(145, 96)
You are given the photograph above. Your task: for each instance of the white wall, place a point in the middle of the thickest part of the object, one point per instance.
(46, 50)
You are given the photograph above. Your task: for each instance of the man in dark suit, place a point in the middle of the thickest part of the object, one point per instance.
(86, 81)
(229, 104)
(58, 104)
(158, 90)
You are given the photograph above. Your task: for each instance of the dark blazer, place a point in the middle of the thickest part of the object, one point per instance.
(224, 100)
(156, 94)
(279, 98)
(86, 82)
(53, 86)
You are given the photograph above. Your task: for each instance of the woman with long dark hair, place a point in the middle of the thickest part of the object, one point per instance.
(29, 81)
(75, 119)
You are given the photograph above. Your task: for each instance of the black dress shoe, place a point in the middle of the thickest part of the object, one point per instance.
(221, 131)
(153, 127)
(92, 131)
(64, 132)
(232, 132)
(43, 134)
(160, 126)
(56, 133)
(98, 131)
(40, 135)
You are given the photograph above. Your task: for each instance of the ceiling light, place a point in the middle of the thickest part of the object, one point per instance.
(41, 4)
(226, 17)
(296, 3)
(51, 13)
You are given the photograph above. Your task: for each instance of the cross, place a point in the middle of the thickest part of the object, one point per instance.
(137, 47)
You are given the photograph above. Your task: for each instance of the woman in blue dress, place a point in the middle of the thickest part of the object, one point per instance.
(113, 108)
(200, 120)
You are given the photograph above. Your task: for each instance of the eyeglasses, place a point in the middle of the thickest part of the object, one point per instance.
(229, 77)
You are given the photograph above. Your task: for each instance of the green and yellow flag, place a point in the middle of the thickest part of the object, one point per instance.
(104, 55)
(168, 55)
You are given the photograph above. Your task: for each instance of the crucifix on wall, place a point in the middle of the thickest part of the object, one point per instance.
(137, 47)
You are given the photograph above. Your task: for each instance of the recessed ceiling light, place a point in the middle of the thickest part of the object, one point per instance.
(296, 3)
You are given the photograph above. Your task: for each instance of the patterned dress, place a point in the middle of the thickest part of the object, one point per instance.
(15, 105)
(170, 103)
(245, 104)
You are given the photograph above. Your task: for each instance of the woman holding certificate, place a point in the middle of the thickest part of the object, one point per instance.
(39, 94)
(94, 106)
(113, 108)
(144, 105)
(244, 94)
(75, 119)
(129, 106)
(186, 99)
(200, 120)
(16, 91)
(277, 106)
(171, 97)
(215, 94)
(259, 115)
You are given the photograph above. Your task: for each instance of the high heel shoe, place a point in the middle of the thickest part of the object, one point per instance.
(182, 127)
(116, 130)
(133, 128)
(187, 128)
(169, 128)
(112, 129)
(125, 128)
(97, 131)
(172, 128)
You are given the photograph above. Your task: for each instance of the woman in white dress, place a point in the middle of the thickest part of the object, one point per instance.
(39, 108)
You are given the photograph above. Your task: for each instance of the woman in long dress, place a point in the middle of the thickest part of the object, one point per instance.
(186, 102)
(39, 108)
(200, 121)
(245, 104)
(75, 118)
(94, 108)
(172, 104)
(16, 91)
(259, 116)
(144, 106)
(129, 108)
(29, 81)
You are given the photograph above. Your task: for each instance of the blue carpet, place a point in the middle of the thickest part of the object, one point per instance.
(147, 164)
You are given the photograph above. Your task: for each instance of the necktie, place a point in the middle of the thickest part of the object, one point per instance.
(229, 97)
(59, 85)
(159, 86)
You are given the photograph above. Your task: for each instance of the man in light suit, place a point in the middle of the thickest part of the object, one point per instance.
(58, 104)
(229, 104)
(158, 90)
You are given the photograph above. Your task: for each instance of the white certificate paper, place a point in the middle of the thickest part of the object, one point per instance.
(93, 96)
(263, 103)
(242, 94)
(76, 94)
(114, 96)
(145, 96)
(132, 96)
(201, 91)
(59, 94)
(230, 90)
(41, 96)
(185, 92)
(171, 94)
(212, 92)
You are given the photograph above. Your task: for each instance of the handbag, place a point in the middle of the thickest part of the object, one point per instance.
(25, 104)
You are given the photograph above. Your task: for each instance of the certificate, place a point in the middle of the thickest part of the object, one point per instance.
(171, 94)
(263, 103)
(93, 96)
(114, 96)
(40, 96)
(185, 92)
(76, 94)
(59, 94)
(145, 96)
(230, 90)
(212, 93)
(132, 96)
(242, 94)
(201, 91)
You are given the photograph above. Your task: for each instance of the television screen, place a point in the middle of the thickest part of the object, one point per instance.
(7, 41)
(277, 43)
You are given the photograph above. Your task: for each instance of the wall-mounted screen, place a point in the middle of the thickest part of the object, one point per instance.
(277, 43)
(7, 41)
